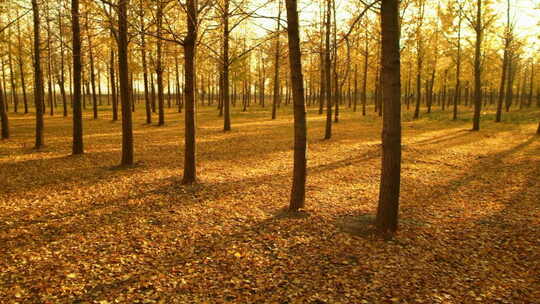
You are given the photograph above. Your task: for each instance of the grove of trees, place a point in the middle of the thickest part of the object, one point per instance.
(396, 57)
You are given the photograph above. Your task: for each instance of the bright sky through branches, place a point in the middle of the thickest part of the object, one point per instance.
(525, 13)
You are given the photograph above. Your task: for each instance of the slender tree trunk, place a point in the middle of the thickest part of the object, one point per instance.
(177, 74)
(444, 91)
(100, 101)
(189, 59)
(300, 128)
(276, 96)
(355, 90)
(504, 72)
(3, 116)
(92, 69)
(21, 67)
(430, 91)
(263, 84)
(322, 73)
(409, 86)
(477, 72)
(62, 78)
(152, 93)
(419, 60)
(38, 78)
(113, 93)
(50, 94)
(77, 147)
(510, 85)
(169, 95)
(364, 77)
(322, 91)
(457, 90)
(14, 97)
(159, 64)
(4, 84)
(531, 85)
(387, 212)
(337, 88)
(467, 93)
(127, 128)
(225, 62)
(145, 69)
(327, 72)
(70, 77)
(418, 88)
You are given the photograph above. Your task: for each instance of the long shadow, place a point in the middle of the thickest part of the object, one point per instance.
(441, 138)
(65, 169)
(25, 176)
(475, 253)
(436, 193)
(173, 191)
(208, 248)
(207, 251)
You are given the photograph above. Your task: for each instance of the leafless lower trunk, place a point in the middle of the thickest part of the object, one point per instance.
(190, 173)
(38, 78)
(300, 129)
(123, 71)
(387, 212)
(77, 147)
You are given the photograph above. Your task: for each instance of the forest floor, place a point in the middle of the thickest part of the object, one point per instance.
(81, 230)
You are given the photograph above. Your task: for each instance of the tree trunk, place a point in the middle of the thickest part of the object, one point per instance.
(355, 90)
(4, 85)
(364, 77)
(322, 90)
(152, 93)
(387, 212)
(337, 88)
(50, 94)
(159, 64)
(12, 79)
(419, 59)
(510, 85)
(225, 62)
(504, 72)
(409, 87)
(145, 69)
(477, 72)
(327, 72)
(276, 96)
(531, 85)
(300, 129)
(418, 88)
(3, 116)
(77, 147)
(100, 101)
(444, 91)
(169, 95)
(457, 90)
(92, 69)
(189, 59)
(431, 83)
(21, 67)
(61, 74)
(127, 128)
(113, 88)
(38, 78)
(177, 74)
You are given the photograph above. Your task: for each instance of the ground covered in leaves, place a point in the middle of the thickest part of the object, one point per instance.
(81, 230)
